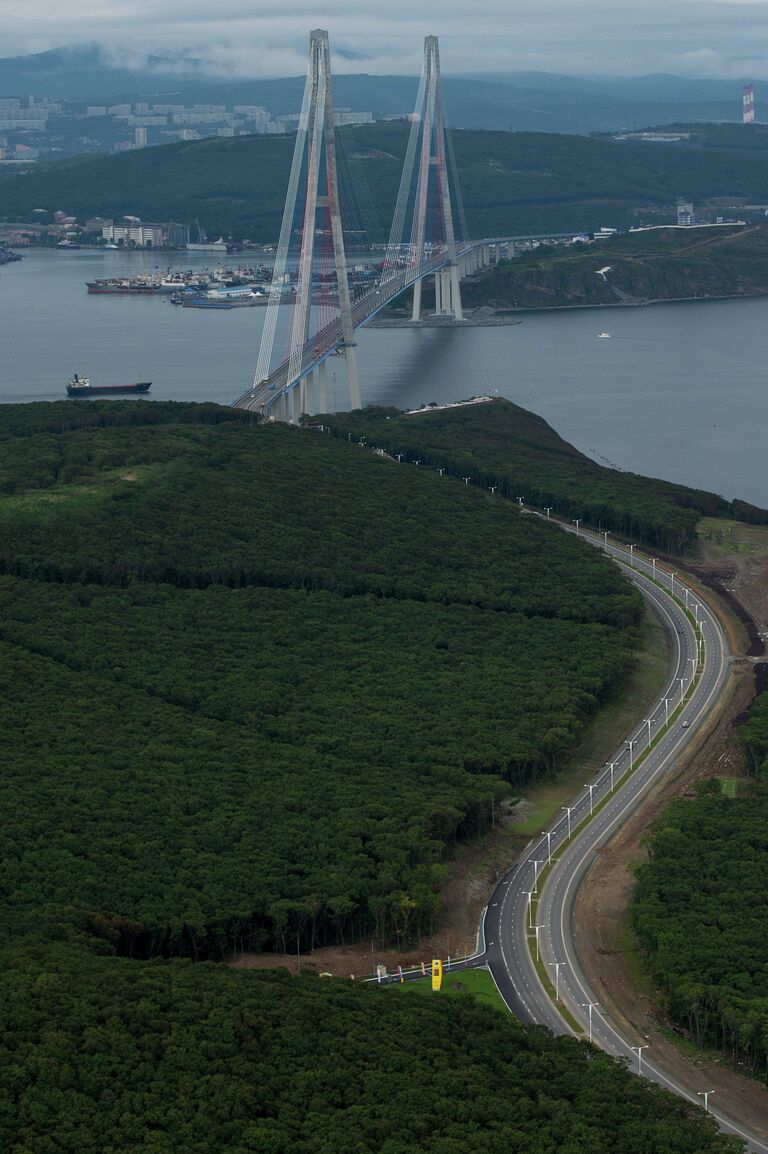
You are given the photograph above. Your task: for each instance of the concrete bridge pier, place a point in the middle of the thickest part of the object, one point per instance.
(322, 389)
(416, 312)
(448, 293)
(304, 391)
(452, 275)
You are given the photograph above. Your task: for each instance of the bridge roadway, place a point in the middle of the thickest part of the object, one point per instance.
(329, 340)
(507, 941)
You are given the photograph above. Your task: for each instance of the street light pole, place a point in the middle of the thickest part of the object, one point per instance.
(632, 556)
(649, 723)
(590, 1006)
(536, 931)
(705, 1095)
(605, 540)
(577, 521)
(653, 566)
(639, 1051)
(631, 743)
(590, 788)
(536, 865)
(682, 683)
(547, 510)
(569, 810)
(672, 583)
(530, 908)
(548, 834)
(611, 765)
(556, 966)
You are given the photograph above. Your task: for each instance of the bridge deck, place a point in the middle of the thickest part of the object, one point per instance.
(329, 340)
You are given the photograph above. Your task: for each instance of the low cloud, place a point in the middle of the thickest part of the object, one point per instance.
(238, 38)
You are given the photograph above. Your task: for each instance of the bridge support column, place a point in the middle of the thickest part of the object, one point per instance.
(416, 313)
(322, 389)
(353, 381)
(439, 307)
(456, 308)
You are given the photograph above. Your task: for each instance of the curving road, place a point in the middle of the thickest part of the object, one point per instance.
(530, 914)
(700, 670)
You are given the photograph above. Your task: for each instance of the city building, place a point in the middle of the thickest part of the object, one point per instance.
(131, 232)
(685, 216)
(140, 137)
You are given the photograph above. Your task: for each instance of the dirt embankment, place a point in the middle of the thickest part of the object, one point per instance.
(737, 581)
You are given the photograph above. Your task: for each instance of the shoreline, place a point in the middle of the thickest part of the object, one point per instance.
(485, 316)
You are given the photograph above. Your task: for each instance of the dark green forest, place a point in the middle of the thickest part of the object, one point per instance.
(172, 1056)
(500, 444)
(254, 645)
(254, 684)
(512, 183)
(701, 907)
(664, 264)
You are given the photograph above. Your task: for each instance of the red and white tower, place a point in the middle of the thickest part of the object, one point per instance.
(748, 104)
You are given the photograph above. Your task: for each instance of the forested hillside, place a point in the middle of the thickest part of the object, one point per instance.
(701, 907)
(254, 645)
(253, 683)
(500, 444)
(663, 264)
(171, 1056)
(512, 183)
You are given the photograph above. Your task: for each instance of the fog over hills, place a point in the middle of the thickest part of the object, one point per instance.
(520, 101)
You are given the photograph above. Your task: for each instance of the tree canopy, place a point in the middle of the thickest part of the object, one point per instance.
(253, 684)
(286, 672)
(701, 907)
(499, 444)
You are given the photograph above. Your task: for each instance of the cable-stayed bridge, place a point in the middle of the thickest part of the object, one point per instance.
(316, 301)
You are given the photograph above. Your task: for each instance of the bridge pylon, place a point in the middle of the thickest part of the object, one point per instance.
(314, 154)
(428, 124)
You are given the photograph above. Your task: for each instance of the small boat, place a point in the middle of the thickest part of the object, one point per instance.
(603, 336)
(78, 386)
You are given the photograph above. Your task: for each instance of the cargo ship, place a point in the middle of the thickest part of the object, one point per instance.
(79, 386)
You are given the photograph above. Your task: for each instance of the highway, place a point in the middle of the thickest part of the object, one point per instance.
(527, 927)
(535, 899)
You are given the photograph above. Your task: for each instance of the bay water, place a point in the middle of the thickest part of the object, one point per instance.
(678, 391)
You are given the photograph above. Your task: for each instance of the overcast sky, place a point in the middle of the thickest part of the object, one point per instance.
(712, 38)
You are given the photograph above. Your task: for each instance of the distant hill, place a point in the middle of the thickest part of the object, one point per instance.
(512, 183)
(662, 264)
(518, 101)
